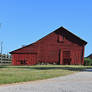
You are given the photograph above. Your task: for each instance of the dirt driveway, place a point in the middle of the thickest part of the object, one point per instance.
(78, 82)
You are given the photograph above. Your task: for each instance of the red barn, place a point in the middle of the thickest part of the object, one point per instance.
(59, 47)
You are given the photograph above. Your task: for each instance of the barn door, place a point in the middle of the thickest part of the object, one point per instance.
(66, 57)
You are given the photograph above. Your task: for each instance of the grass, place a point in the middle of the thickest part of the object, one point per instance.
(15, 74)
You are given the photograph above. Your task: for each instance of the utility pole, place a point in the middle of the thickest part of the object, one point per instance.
(1, 46)
(1, 50)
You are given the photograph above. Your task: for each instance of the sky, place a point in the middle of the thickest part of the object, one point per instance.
(22, 22)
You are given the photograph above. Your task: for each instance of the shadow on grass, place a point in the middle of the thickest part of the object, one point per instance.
(83, 68)
(64, 68)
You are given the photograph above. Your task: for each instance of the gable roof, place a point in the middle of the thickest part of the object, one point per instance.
(26, 49)
(69, 34)
(66, 33)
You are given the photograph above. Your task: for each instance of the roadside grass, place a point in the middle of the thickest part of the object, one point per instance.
(15, 74)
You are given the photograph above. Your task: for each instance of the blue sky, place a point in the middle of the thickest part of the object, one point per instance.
(25, 21)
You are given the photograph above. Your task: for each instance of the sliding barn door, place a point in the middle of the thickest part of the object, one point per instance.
(66, 57)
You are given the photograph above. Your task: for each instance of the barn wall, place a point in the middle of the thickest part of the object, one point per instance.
(49, 50)
(29, 59)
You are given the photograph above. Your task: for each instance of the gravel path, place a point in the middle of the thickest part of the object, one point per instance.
(78, 82)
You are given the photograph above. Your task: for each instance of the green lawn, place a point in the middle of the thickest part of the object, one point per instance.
(14, 74)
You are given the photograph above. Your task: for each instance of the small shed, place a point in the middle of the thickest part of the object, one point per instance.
(90, 56)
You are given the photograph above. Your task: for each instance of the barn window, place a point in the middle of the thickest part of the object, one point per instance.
(60, 38)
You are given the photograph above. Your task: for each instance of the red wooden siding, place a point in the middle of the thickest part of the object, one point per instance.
(60, 46)
(49, 50)
(28, 59)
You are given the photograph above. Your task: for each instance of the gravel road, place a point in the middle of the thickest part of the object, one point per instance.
(78, 82)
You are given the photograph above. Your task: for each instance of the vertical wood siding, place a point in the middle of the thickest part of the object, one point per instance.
(50, 49)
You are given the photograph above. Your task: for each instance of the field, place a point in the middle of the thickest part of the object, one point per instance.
(15, 74)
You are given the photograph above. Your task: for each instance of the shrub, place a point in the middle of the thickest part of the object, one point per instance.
(87, 62)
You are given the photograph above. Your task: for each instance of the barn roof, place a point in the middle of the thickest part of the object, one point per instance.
(26, 49)
(66, 33)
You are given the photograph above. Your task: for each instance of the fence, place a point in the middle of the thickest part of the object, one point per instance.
(5, 59)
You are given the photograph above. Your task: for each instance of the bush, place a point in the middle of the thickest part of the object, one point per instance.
(87, 62)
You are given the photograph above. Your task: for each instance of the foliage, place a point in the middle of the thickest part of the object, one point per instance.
(87, 62)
